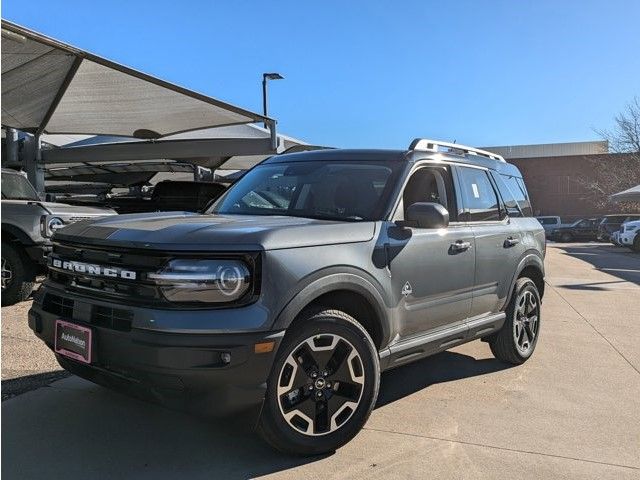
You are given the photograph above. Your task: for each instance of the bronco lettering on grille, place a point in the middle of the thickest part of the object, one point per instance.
(92, 269)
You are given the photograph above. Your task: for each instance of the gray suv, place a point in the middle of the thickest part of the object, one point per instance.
(307, 278)
(27, 225)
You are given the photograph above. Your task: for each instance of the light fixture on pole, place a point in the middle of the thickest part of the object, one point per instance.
(265, 77)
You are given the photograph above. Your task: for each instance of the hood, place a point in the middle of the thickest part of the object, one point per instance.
(191, 231)
(56, 208)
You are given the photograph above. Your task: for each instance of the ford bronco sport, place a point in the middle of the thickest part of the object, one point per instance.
(307, 278)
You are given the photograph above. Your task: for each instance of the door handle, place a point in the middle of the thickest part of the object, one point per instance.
(460, 246)
(510, 242)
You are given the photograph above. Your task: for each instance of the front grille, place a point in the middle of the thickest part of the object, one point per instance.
(63, 307)
(114, 318)
(138, 291)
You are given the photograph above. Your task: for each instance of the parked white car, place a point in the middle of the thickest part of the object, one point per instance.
(628, 235)
(549, 223)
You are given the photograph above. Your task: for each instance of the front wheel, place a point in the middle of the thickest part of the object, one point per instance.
(323, 385)
(516, 340)
(18, 274)
(566, 237)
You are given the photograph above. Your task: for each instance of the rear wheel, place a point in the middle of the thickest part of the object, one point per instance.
(517, 339)
(18, 274)
(323, 385)
(566, 237)
(636, 243)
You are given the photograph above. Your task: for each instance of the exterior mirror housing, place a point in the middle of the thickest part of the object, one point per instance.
(427, 215)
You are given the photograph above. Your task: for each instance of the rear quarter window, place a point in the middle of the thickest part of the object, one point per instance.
(515, 197)
(518, 192)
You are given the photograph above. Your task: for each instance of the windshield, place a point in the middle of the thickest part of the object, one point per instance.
(346, 191)
(17, 187)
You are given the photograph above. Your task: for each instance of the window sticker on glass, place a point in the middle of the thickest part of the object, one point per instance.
(476, 193)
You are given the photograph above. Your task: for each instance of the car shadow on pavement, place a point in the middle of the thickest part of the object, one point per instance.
(75, 429)
(615, 261)
(444, 367)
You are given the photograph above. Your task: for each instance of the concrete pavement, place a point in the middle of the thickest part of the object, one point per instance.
(572, 411)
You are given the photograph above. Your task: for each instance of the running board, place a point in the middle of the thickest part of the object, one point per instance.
(428, 344)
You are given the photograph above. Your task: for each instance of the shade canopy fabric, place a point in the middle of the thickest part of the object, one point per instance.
(52, 87)
(630, 195)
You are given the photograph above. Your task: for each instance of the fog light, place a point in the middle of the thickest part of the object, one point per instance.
(225, 357)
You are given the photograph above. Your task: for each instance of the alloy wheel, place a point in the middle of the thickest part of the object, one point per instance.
(526, 322)
(7, 274)
(320, 384)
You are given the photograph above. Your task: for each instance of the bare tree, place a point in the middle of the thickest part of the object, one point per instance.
(623, 139)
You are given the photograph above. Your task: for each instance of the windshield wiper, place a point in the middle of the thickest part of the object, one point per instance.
(329, 217)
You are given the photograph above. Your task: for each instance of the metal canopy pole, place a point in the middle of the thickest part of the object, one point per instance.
(12, 147)
(274, 135)
(32, 161)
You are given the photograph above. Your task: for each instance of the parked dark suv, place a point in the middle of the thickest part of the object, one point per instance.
(307, 278)
(584, 229)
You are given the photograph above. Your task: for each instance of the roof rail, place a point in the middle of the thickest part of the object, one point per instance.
(428, 145)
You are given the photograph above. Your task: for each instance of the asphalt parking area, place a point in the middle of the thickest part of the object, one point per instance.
(572, 411)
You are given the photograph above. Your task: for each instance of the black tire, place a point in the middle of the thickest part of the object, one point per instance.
(316, 326)
(22, 271)
(566, 237)
(636, 243)
(503, 344)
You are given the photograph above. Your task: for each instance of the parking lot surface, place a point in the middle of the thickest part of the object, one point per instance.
(572, 411)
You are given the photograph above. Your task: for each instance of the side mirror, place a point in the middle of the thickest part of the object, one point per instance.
(427, 215)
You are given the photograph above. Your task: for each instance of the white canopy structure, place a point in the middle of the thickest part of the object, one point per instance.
(630, 195)
(51, 88)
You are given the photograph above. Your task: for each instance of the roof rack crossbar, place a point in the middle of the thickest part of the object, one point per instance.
(429, 145)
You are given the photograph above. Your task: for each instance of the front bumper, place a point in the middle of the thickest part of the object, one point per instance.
(210, 373)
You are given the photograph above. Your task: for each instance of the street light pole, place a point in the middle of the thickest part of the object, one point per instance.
(265, 77)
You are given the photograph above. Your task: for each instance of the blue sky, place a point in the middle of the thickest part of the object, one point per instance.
(378, 74)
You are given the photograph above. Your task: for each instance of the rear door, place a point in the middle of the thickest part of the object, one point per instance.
(498, 240)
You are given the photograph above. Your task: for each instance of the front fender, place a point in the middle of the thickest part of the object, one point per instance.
(335, 279)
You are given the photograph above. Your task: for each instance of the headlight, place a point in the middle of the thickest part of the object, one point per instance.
(48, 225)
(203, 281)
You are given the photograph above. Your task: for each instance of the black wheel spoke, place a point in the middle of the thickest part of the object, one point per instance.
(322, 418)
(347, 390)
(338, 357)
(305, 358)
(293, 398)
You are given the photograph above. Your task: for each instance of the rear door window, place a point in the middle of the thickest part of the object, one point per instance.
(478, 196)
